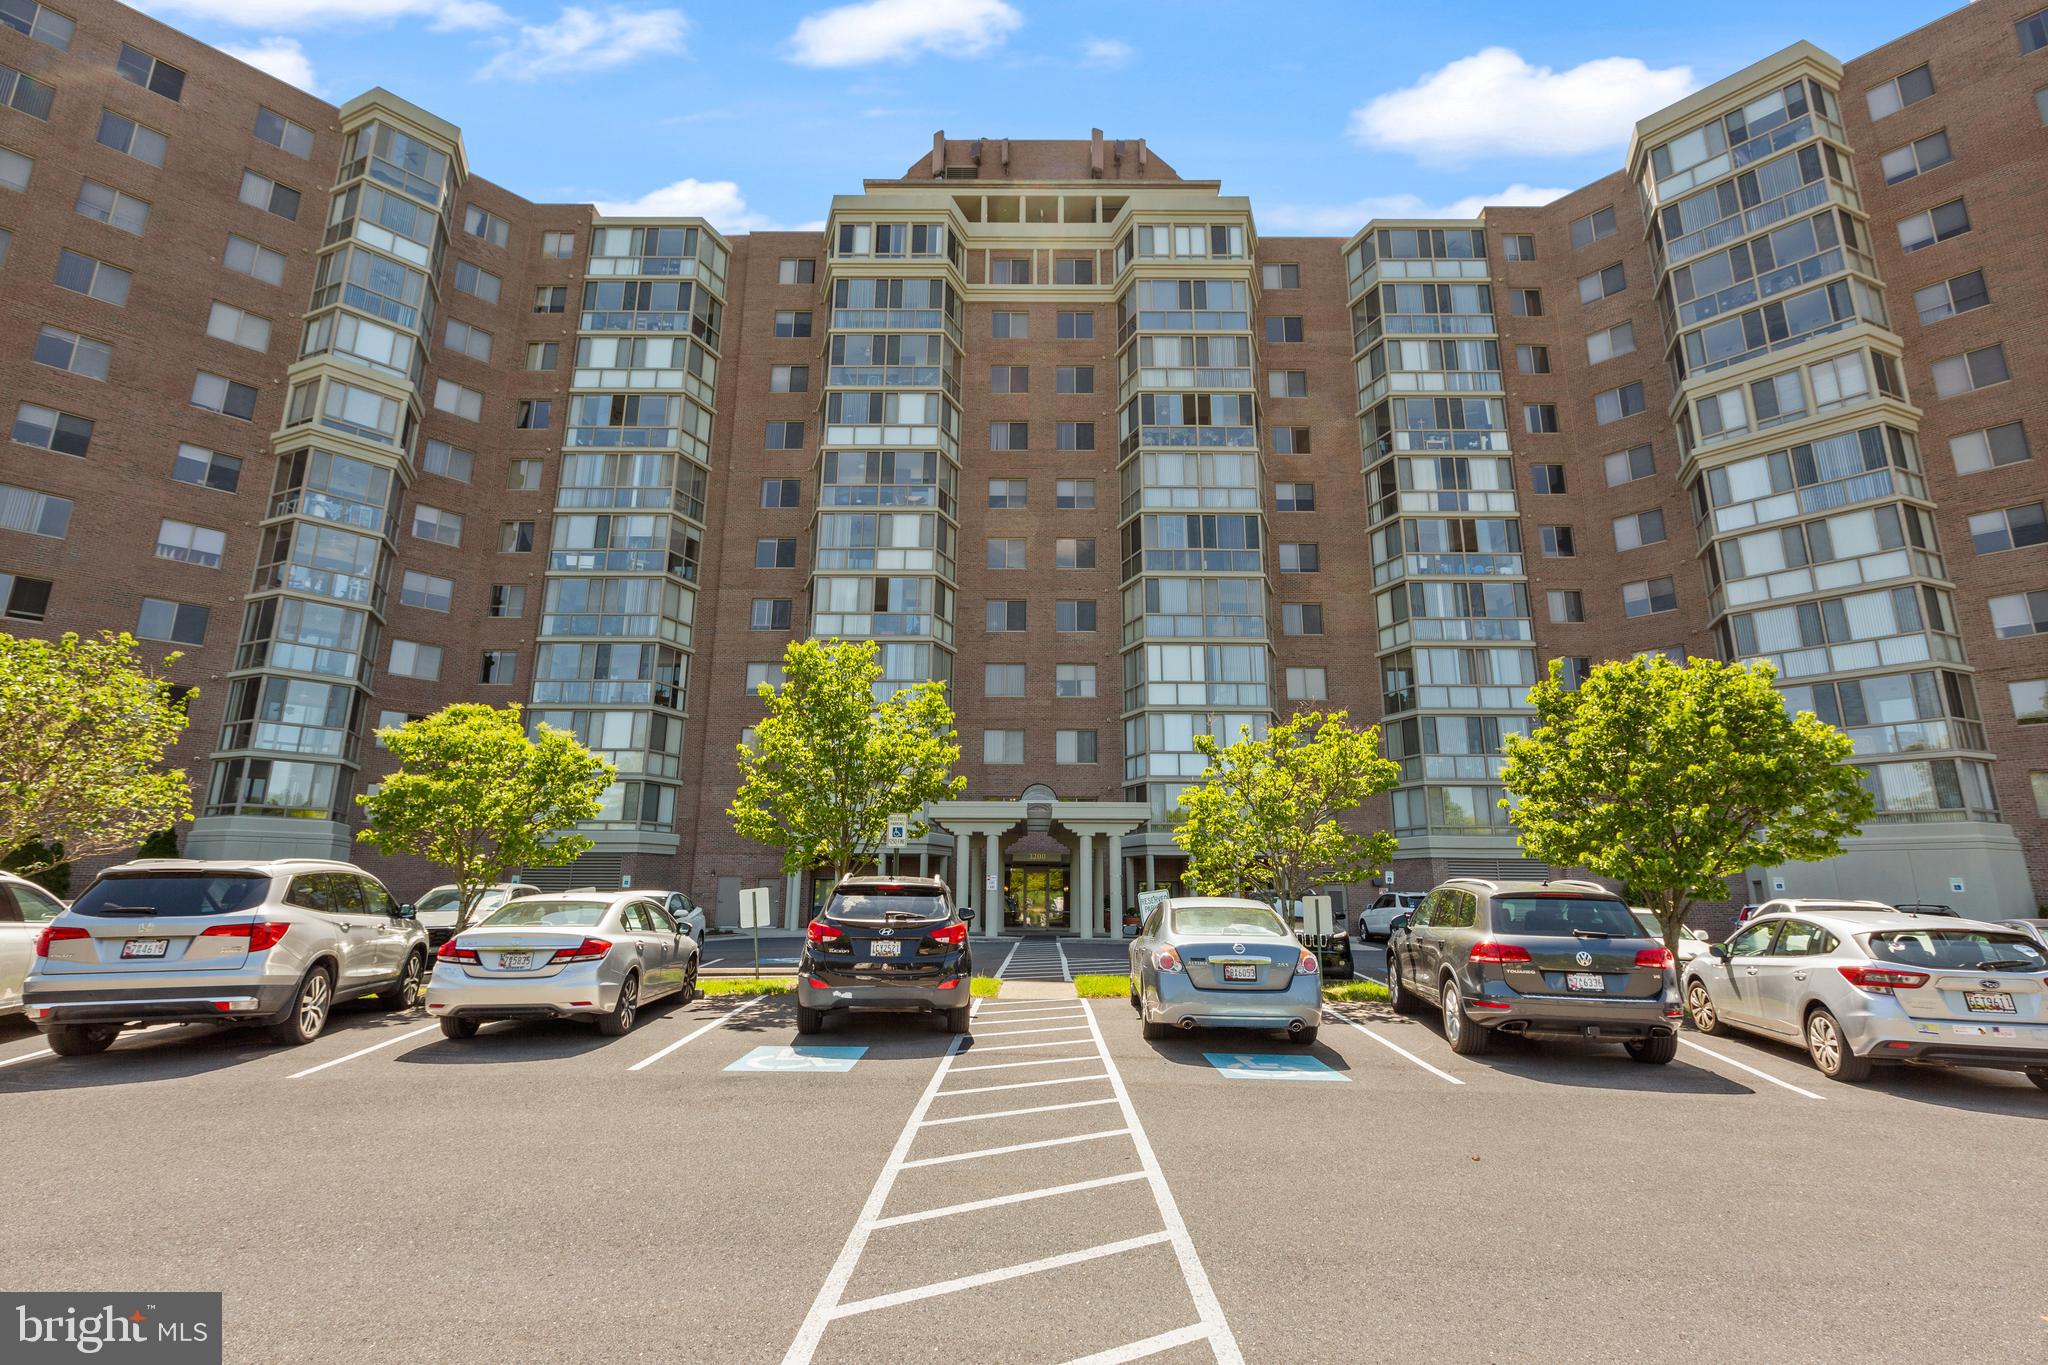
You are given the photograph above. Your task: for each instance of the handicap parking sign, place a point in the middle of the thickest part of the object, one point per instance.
(1272, 1066)
(799, 1057)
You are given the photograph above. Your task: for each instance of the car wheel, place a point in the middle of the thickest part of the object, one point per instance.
(1466, 1038)
(1655, 1051)
(809, 1020)
(1307, 1037)
(1830, 1050)
(1699, 1003)
(956, 1019)
(2038, 1075)
(1153, 1032)
(308, 1014)
(411, 986)
(620, 1021)
(458, 1028)
(1400, 999)
(82, 1040)
(690, 982)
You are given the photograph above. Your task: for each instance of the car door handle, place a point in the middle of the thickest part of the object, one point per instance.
(1799, 976)
(1749, 971)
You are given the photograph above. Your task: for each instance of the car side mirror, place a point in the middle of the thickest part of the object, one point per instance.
(405, 912)
(1720, 950)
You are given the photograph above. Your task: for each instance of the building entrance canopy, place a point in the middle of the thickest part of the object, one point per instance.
(1082, 893)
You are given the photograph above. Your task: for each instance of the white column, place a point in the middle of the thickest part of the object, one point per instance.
(792, 889)
(963, 868)
(1151, 870)
(992, 866)
(1081, 895)
(924, 860)
(1116, 885)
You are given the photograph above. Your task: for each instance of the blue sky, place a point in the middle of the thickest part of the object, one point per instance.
(754, 114)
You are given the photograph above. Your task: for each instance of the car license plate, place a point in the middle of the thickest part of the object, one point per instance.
(1989, 1002)
(887, 947)
(514, 962)
(157, 947)
(1240, 971)
(1585, 981)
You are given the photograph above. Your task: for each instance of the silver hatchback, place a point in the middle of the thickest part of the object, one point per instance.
(272, 942)
(1857, 987)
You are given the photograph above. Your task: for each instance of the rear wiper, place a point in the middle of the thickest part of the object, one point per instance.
(1589, 933)
(111, 909)
(2006, 964)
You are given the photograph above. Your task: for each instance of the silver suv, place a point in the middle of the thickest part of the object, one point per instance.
(271, 942)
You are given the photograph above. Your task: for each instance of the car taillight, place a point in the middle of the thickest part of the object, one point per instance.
(1653, 957)
(821, 932)
(1308, 965)
(1166, 960)
(1489, 951)
(262, 936)
(453, 951)
(952, 935)
(1881, 980)
(590, 950)
(55, 933)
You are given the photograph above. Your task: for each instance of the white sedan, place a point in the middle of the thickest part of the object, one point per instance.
(1691, 942)
(24, 909)
(570, 956)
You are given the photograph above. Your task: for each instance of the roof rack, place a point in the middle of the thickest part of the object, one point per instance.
(1477, 881)
(1577, 881)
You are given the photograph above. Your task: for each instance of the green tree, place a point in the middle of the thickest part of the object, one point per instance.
(85, 725)
(475, 795)
(162, 844)
(1269, 812)
(50, 870)
(1670, 779)
(833, 759)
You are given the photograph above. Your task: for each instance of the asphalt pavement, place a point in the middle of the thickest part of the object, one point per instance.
(712, 1187)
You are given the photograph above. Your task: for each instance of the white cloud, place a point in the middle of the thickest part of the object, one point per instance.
(897, 30)
(270, 14)
(1107, 54)
(1341, 220)
(720, 201)
(586, 40)
(283, 58)
(1495, 103)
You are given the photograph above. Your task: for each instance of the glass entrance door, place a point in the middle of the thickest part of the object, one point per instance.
(1036, 898)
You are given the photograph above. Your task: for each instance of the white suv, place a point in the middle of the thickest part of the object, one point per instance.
(275, 942)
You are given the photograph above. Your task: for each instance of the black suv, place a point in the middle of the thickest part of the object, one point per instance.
(1557, 959)
(885, 943)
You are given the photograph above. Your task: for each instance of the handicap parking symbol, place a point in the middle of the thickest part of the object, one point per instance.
(1272, 1066)
(799, 1057)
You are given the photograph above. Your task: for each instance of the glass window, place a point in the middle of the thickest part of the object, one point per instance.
(1546, 478)
(1002, 680)
(1972, 370)
(151, 74)
(1070, 616)
(207, 468)
(1005, 615)
(261, 192)
(411, 659)
(1906, 89)
(1593, 227)
(62, 350)
(39, 22)
(1308, 684)
(134, 139)
(180, 622)
(1626, 466)
(224, 396)
(1074, 746)
(279, 131)
(1002, 746)
(247, 258)
(23, 92)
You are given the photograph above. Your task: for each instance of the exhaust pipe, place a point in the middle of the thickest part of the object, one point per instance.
(1294, 1028)
(1187, 1026)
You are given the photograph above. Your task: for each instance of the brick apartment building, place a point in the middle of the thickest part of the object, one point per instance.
(297, 392)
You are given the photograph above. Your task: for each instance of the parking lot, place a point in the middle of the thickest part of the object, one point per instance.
(1052, 1189)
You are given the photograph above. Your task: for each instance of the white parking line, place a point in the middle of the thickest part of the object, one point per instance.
(1150, 1346)
(1007, 1032)
(1023, 1085)
(977, 1155)
(978, 1049)
(1034, 1061)
(1389, 1043)
(1030, 1018)
(1014, 1113)
(1006, 958)
(363, 1052)
(697, 1033)
(1066, 972)
(1743, 1066)
(125, 1035)
(28, 1057)
(976, 1205)
(1011, 1272)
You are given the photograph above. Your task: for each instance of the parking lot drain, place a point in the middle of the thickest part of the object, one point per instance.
(799, 1057)
(1271, 1066)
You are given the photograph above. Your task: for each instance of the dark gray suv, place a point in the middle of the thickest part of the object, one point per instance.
(1557, 959)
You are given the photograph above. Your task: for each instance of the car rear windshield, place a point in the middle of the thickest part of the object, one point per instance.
(1233, 920)
(172, 894)
(538, 914)
(1563, 917)
(882, 907)
(440, 898)
(1969, 950)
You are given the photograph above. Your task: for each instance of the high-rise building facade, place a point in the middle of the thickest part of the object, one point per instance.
(294, 390)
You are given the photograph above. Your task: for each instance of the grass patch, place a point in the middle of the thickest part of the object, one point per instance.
(1102, 987)
(985, 987)
(1355, 990)
(745, 985)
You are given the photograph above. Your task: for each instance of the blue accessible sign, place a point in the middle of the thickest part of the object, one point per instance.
(1271, 1066)
(799, 1057)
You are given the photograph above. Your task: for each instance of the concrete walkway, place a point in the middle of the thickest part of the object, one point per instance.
(1036, 990)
